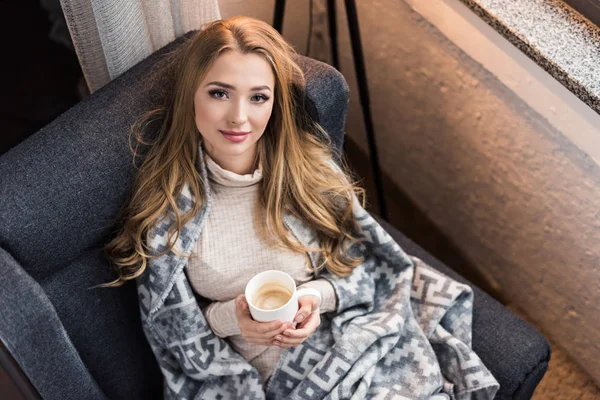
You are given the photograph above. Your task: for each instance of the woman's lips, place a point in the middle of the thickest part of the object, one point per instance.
(236, 137)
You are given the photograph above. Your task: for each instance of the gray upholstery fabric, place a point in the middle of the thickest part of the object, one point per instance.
(60, 191)
(31, 329)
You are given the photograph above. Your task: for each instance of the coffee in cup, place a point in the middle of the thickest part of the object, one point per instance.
(272, 295)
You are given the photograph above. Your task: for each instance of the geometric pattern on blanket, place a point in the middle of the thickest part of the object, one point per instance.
(381, 345)
(402, 330)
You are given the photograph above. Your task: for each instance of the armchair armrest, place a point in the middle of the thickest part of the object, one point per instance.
(513, 350)
(36, 341)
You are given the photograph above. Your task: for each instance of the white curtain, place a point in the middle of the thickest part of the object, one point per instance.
(111, 36)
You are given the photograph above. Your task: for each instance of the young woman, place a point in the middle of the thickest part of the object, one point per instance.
(236, 105)
(239, 180)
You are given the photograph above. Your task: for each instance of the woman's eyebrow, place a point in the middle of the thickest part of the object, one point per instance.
(228, 86)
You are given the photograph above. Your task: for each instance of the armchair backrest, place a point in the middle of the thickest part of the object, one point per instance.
(60, 192)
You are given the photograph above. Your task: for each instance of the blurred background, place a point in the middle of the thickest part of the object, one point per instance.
(41, 76)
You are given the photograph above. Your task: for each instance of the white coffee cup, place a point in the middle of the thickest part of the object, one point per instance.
(270, 309)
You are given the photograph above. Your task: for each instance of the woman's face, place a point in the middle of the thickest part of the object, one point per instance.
(236, 95)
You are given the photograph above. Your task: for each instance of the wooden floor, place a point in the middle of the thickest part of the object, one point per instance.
(8, 390)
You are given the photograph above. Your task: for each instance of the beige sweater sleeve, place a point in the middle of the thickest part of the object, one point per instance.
(222, 319)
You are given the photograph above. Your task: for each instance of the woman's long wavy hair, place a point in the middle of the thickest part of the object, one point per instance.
(294, 151)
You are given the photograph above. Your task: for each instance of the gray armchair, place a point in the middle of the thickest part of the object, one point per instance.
(60, 192)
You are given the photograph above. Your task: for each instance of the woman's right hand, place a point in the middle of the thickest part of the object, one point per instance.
(257, 332)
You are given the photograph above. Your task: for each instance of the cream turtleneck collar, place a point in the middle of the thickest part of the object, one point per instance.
(224, 177)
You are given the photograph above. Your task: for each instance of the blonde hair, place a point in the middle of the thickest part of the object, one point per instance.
(294, 150)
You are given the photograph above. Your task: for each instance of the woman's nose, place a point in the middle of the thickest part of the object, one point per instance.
(238, 114)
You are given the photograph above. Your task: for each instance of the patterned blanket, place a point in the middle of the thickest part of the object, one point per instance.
(402, 330)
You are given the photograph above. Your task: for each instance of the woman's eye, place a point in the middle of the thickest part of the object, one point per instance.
(217, 93)
(221, 94)
(261, 97)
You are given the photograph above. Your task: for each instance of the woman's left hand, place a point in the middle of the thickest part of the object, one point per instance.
(308, 318)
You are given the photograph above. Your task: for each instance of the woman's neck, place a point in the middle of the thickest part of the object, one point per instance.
(240, 165)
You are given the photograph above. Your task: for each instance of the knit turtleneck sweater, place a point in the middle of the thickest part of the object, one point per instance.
(230, 251)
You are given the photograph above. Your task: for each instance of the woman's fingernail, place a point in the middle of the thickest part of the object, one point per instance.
(277, 337)
(299, 318)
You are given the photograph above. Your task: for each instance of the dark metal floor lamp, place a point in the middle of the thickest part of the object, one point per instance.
(361, 76)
